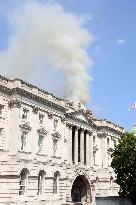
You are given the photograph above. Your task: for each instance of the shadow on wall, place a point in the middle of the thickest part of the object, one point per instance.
(113, 201)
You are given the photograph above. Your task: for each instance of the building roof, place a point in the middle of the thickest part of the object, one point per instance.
(70, 109)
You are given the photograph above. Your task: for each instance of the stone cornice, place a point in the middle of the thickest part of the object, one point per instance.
(106, 128)
(29, 91)
(90, 122)
(31, 96)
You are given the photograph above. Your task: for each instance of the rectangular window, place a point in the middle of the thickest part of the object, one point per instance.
(41, 117)
(93, 139)
(23, 140)
(0, 132)
(55, 141)
(94, 158)
(1, 110)
(108, 141)
(55, 123)
(25, 114)
(40, 143)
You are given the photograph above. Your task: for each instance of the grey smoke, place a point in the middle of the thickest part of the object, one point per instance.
(46, 34)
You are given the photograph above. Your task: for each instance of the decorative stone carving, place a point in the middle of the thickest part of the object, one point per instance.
(70, 126)
(42, 131)
(3, 80)
(88, 113)
(1, 106)
(35, 110)
(95, 148)
(101, 134)
(65, 140)
(69, 103)
(14, 103)
(89, 132)
(25, 126)
(63, 119)
(50, 115)
(56, 135)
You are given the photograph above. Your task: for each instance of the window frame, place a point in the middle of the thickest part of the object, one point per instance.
(24, 174)
(55, 123)
(41, 118)
(25, 112)
(56, 183)
(42, 145)
(41, 180)
(21, 141)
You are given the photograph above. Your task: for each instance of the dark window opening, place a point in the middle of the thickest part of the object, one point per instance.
(73, 144)
(84, 147)
(79, 146)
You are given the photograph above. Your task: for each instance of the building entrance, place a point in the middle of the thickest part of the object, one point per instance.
(80, 190)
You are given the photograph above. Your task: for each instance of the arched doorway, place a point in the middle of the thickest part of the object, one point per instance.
(80, 191)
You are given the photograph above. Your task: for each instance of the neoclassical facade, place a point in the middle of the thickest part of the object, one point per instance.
(52, 151)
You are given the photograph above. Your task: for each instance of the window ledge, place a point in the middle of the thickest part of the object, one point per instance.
(55, 157)
(56, 196)
(41, 197)
(25, 152)
(23, 198)
(41, 154)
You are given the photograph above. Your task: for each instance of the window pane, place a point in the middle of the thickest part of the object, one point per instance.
(40, 143)
(23, 139)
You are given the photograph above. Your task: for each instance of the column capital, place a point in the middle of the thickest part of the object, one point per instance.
(102, 134)
(77, 128)
(70, 126)
(90, 132)
(14, 103)
(82, 130)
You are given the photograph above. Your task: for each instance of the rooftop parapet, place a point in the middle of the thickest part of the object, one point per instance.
(66, 104)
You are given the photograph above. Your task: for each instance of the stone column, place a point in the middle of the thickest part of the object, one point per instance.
(82, 146)
(104, 150)
(69, 144)
(15, 106)
(91, 148)
(87, 149)
(76, 147)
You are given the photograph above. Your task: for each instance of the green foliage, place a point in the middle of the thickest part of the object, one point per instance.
(124, 165)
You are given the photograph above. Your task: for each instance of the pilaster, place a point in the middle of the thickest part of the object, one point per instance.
(82, 146)
(76, 147)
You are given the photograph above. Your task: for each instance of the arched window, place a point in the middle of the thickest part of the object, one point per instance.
(56, 183)
(41, 178)
(23, 182)
(108, 141)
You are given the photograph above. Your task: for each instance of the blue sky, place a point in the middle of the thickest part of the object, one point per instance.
(113, 53)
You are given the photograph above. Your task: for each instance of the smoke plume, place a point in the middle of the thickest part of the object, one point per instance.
(44, 34)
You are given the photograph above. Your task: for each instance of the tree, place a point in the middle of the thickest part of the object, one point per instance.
(124, 165)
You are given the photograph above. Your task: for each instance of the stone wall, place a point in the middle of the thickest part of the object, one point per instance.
(71, 121)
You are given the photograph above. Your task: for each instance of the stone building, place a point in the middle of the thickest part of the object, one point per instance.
(52, 152)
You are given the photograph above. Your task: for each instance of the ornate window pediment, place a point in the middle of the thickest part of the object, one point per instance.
(81, 116)
(56, 135)
(42, 131)
(25, 126)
